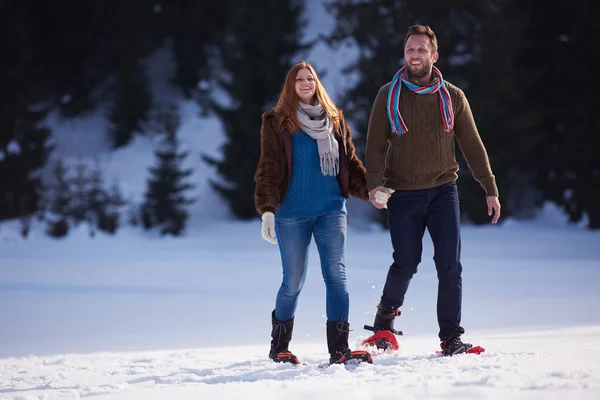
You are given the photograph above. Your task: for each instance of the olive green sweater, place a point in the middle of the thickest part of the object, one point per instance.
(425, 156)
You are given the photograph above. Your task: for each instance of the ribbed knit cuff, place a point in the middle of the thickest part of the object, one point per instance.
(490, 187)
(267, 208)
(374, 180)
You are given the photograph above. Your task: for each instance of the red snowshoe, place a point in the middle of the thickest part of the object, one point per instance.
(383, 340)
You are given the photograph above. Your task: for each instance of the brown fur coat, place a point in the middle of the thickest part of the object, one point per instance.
(275, 165)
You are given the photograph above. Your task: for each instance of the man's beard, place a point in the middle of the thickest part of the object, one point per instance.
(420, 72)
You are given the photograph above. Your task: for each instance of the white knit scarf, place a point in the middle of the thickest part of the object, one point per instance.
(318, 126)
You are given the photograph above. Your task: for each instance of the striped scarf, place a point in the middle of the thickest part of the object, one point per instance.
(393, 100)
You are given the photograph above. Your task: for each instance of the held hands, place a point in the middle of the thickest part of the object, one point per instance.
(493, 204)
(380, 196)
(268, 227)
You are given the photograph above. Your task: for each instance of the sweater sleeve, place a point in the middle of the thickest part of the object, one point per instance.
(378, 133)
(472, 146)
(267, 176)
(356, 171)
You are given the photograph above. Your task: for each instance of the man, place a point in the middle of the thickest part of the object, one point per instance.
(412, 171)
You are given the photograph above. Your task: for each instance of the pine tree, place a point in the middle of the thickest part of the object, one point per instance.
(60, 205)
(165, 198)
(25, 226)
(131, 103)
(103, 206)
(79, 200)
(132, 212)
(193, 43)
(125, 46)
(24, 149)
(261, 43)
(116, 202)
(559, 117)
(56, 57)
(71, 56)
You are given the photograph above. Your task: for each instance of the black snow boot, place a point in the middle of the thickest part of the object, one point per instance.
(281, 335)
(337, 344)
(384, 319)
(453, 344)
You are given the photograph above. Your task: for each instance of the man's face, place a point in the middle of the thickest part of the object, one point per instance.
(418, 56)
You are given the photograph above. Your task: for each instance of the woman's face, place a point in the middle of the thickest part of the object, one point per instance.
(305, 85)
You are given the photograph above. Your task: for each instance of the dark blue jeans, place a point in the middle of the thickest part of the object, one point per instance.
(294, 236)
(409, 213)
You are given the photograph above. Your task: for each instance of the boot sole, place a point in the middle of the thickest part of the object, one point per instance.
(285, 357)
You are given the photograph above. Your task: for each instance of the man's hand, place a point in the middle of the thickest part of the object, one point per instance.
(493, 204)
(380, 196)
(268, 227)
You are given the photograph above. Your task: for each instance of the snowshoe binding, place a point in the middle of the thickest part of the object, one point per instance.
(384, 337)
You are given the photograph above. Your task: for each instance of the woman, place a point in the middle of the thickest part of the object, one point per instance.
(306, 171)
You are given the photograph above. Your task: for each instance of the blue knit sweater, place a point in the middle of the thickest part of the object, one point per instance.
(310, 193)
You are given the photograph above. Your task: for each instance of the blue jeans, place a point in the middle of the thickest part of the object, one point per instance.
(294, 236)
(409, 213)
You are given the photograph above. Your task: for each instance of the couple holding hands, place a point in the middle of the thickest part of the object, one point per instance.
(308, 168)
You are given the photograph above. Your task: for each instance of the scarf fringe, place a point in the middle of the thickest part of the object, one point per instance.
(316, 124)
(329, 165)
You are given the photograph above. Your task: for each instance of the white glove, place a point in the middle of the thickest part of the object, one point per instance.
(383, 197)
(268, 227)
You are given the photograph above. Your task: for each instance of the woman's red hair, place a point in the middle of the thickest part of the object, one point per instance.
(287, 104)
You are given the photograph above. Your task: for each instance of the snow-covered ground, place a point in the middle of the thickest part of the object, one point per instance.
(141, 317)
(550, 364)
